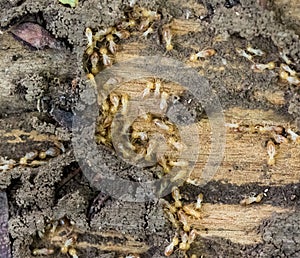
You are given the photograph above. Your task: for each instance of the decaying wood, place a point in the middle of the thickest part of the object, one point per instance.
(19, 61)
(245, 155)
(234, 222)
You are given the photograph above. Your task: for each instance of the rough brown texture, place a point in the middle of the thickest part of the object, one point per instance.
(52, 78)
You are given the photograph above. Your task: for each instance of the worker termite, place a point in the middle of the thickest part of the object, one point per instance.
(164, 100)
(105, 58)
(108, 121)
(144, 24)
(167, 36)
(51, 152)
(176, 196)
(288, 69)
(256, 52)
(171, 218)
(157, 85)
(191, 211)
(115, 101)
(152, 15)
(170, 248)
(124, 102)
(72, 251)
(192, 236)
(121, 34)
(142, 135)
(266, 129)
(271, 152)
(285, 58)
(184, 245)
(28, 156)
(280, 138)
(147, 32)
(243, 53)
(7, 164)
(112, 46)
(91, 44)
(290, 79)
(252, 199)
(147, 90)
(199, 201)
(36, 163)
(94, 62)
(127, 24)
(182, 217)
(262, 67)
(294, 137)
(161, 125)
(89, 36)
(202, 54)
(181, 163)
(101, 33)
(168, 206)
(43, 251)
(162, 161)
(64, 249)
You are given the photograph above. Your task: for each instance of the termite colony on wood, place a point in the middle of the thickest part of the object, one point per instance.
(179, 215)
(63, 236)
(278, 135)
(60, 233)
(286, 73)
(102, 44)
(143, 130)
(36, 157)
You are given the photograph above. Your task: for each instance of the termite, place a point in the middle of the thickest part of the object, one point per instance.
(202, 54)
(262, 67)
(167, 36)
(184, 245)
(288, 69)
(271, 152)
(285, 58)
(243, 53)
(147, 32)
(164, 100)
(295, 137)
(252, 199)
(256, 52)
(191, 211)
(170, 248)
(43, 251)
(290, 79)
(112, 46)
(176, 196)
(182, 217)
(147, 90)
(105, 58)
(94, 62)
(199, 201)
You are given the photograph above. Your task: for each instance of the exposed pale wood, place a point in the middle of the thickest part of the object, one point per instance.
(234, 222)
(245, 156)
